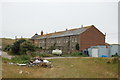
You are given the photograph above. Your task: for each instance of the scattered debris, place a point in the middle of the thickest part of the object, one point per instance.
(40, 62)
(71, 65)
(22, 64)
(27, 72)
(113, 60)
(20, 72)
(11, 63)
(5, 62)
(37, 61)
(108, 62)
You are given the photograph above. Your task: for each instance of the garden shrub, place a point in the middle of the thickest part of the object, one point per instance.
(34, 54)
(75, 54)
(21, 59)
(46, 55)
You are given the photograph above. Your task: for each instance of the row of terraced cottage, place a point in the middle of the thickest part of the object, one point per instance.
(68, 40)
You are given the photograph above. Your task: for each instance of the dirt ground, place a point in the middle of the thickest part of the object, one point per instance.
(5, 55)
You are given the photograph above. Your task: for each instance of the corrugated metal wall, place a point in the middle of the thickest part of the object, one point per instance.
(107, 51)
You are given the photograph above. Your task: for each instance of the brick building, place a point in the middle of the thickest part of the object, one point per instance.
(67, 40)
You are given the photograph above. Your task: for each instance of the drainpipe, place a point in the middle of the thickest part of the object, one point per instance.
(45, 43)
(69, 44)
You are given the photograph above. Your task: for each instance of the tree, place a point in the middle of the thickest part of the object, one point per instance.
(26, 47)
(15, 47)
(77, 46)
(7, 48)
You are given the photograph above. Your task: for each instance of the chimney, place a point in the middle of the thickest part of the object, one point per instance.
(81, 26)
(66, 29)
(92, 25)
(42, 32)
(105, 34)
(36, 34)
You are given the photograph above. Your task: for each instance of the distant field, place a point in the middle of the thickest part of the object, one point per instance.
(6, 41)
(65, 68)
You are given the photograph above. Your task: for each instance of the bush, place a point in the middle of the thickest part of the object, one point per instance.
(15, 47)
(21, 59)
(7, 48)
(45, 55)
(34, 54)
(6, 59)
(26, 46)
(21, 47)
(76, 54)
(84, 55)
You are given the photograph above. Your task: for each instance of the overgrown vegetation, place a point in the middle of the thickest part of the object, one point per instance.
(7, 48)
(21, 59)
(27, 46)
(15, 47)
(46, 55)
(18, 59)
(20, 47)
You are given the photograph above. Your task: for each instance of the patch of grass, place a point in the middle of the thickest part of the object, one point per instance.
(83, 67)
(46, 55)
(75, 54)
(6, 59)
(21, 59)
(34, 54)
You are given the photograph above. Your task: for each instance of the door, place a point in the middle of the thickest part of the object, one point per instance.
(94, 52)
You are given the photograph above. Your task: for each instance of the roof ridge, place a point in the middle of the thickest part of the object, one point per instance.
(89, 26)
(61, 32)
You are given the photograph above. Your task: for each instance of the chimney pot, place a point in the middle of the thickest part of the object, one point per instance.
(42, 32)
(81, 26)
(36, 34)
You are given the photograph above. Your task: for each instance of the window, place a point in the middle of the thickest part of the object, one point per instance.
(75, 39)
(57, 41)
(43, 41)
(66, 40)
(72, 39)
(52, 41)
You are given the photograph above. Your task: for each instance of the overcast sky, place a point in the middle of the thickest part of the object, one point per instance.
(25, 18)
